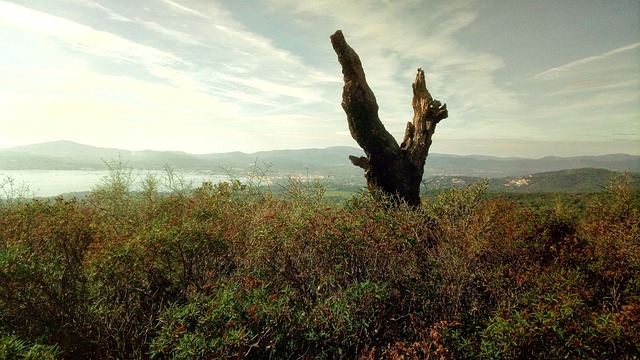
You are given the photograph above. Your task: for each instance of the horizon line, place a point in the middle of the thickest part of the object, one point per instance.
(317, 148)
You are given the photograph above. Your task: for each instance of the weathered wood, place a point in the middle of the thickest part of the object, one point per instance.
(395, 169)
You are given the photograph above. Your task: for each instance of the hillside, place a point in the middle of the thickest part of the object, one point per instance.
(569, 181)
(496, 167)
(66, 155)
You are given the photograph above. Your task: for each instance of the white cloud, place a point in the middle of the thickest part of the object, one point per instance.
(84, 38)
(186, 9)
(150, 66)
(576, 65)
(393, 39)
(83, 97)
(175, 35)
(163, 64)
(594, 97)
(112, 14)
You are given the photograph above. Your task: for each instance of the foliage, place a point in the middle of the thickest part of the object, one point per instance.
(12, 192)
(150, 267)
(11, 348)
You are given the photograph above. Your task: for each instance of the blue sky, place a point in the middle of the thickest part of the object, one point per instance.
(520, 78)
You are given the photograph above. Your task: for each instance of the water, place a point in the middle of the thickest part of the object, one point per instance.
(46, 183)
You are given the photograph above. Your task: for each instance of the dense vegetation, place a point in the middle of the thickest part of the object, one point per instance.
(232, 271)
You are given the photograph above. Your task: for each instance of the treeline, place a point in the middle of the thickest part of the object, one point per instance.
(231, 271)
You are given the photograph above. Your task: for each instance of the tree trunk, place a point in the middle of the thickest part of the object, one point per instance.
(394, 169)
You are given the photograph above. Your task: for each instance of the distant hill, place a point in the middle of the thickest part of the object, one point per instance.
(495, 167)
(567, 181)
(67, 155)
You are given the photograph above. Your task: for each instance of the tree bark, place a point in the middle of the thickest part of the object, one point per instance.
(394, 169)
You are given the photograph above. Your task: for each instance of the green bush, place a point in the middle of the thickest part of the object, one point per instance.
(43, 291)
(554, 320)
(162, 270)
(12, 348)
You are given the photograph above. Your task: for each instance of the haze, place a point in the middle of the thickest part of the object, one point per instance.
(520, 78)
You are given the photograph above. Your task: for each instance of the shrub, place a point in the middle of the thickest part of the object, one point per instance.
(554, 320)
(577, 292)
(12, 192)
(178, 248)
(11, 348)
(42, 286)
(227, 271)
(228, 320)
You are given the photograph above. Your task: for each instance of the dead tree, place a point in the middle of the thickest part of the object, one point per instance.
(394, 169)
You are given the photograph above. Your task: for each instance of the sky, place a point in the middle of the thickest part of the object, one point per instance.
(519, 77)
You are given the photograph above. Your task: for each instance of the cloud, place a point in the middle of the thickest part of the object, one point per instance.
(614, 75)
(112, 14)
(204, 66)
(577, 65)
(393, 39)
(593, 97)
(220, 76)
(175, 35)
(84, 38)
(118, 109)
(261, 58)
(186, 9)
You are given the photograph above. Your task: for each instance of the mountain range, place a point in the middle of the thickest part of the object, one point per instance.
(67, 155)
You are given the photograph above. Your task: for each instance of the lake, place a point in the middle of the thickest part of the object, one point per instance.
(46, 183)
